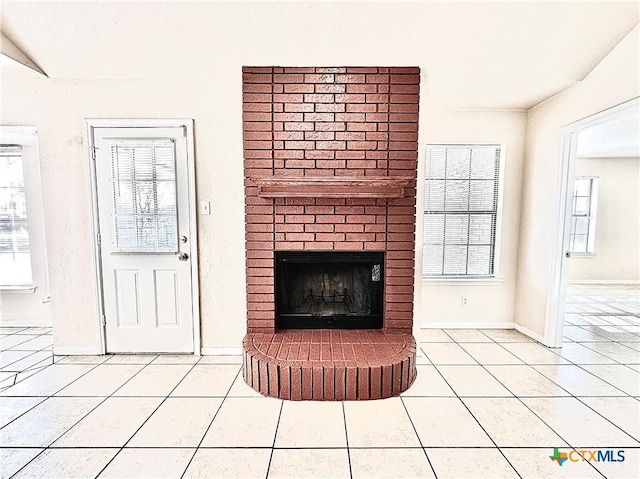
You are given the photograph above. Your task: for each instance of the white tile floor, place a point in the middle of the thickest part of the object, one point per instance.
(487, 403)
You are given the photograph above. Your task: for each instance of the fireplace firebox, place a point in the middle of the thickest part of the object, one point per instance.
(332, 290)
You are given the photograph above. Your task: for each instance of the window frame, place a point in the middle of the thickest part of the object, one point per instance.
(591, 217)
(469, 278)
(27, 138)
(18, 195)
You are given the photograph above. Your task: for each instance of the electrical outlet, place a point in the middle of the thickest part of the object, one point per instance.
(465, 301)
(621, 267)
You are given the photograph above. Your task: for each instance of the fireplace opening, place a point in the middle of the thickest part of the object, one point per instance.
(340, 290)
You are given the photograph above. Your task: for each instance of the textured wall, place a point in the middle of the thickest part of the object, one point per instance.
(330, 122)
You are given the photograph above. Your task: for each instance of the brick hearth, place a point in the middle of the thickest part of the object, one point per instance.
(330, 158)
(329, 364)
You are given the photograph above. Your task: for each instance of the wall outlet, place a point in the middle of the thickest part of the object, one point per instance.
(621, 267)
(465, 301)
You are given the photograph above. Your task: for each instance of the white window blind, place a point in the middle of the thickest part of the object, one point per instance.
(15, 251)
(461, 210)
(144, 196)
(583, 215)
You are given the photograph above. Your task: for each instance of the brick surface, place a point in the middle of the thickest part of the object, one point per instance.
(330, 122)
(378, 365)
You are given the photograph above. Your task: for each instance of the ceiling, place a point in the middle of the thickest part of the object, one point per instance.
(495, 55)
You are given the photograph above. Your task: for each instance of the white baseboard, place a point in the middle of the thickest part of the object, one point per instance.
(76, 351)
(608, 282)
(221, 351)
(506, 325)
(531, 334)
(25, 323)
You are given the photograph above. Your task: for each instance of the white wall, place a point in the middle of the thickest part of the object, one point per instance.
(490, 303)
(617, 239)
(58, 109)
(613, 81)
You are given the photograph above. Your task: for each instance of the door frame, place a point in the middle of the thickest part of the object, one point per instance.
(187, 124)
(558, 277)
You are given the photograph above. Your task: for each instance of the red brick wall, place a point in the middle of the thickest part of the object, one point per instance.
(359, 122)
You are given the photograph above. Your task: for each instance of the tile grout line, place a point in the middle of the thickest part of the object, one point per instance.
(424, 450)
(346, 437)
(478, 422)
(210, 423)
(47, 447)
(21, 359)
(27, 340)
(275, 435)
(533, 412)
(49, 396)
(121, 448)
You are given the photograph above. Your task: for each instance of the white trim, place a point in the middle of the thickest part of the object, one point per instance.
(531, 334)
(97, 265)
(462, 281)
(502, 325)
(193, 235)
(607, 282)
(25, 323)
(27, 136)
(187, 124)
(558, 274)
(18, 289)
(76, 351)
(221, 352)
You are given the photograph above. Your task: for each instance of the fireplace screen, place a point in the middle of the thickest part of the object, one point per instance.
(329, 290)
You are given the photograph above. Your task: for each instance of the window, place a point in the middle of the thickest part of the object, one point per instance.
(15, 251)
(144, 196)
(583, 216)
(461, 210)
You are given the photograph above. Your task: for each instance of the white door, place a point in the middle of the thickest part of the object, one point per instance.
(143, 216)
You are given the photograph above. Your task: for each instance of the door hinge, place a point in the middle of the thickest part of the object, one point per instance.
(99, 238)
(93, 153)
(104, 320)
(184, 131)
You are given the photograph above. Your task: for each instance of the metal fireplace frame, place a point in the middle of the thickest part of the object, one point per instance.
(375, 320)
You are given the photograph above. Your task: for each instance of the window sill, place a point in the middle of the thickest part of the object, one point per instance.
(18, 289)
(463, 281)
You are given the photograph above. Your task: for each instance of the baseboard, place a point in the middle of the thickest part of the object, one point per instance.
(221, 351)
(531, 334)
(506, 325)
(25, 323)
(608, 282)
(75, 351)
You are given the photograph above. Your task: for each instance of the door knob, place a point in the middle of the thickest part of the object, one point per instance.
(567, 254)
(183, 257)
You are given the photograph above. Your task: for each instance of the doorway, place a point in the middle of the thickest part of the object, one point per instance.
(145, 241)
(596, 251)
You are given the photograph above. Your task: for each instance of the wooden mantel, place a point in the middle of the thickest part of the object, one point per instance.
(332, 187)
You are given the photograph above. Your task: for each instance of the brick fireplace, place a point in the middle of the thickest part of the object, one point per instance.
(330, 158)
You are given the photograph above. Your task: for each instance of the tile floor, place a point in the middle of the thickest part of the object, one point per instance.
(487, 403)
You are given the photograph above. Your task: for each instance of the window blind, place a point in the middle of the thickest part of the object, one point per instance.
(460, 210)
(15, 251)
(144, 196)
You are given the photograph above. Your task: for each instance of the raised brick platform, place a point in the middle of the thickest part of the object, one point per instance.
(329, 365)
